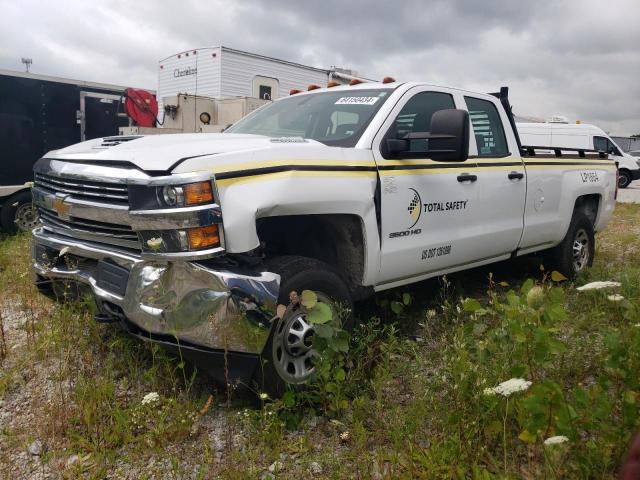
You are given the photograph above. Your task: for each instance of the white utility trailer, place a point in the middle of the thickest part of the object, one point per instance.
(222, 72)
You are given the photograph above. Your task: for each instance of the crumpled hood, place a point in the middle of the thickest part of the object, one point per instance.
(161, 152)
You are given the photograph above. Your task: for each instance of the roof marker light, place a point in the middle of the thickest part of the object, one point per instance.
(388, 80)
(332, 83)
(293, 91)
(313, 87)
(355, 81)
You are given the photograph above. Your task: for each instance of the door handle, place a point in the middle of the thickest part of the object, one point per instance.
(466, 177)
(516, 176)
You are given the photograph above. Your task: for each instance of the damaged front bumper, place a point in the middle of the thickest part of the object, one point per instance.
(212, 314)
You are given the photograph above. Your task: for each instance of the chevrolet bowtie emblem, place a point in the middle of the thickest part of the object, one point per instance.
(61, 208)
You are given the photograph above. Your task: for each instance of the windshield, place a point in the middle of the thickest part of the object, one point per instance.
(334, 118)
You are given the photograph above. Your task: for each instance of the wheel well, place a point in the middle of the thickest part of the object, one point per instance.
(336, 239)
(588, 204)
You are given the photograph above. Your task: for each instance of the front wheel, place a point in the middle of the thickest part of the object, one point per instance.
(19, 213)
(624, 178)
(288, 357)
(577, 249)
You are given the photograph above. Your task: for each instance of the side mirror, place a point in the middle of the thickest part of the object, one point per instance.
(448, 138)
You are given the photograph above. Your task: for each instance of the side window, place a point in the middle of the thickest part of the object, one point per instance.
(600, 143)
(605, 145)
(415, 116)
(613, 150)
(487, 128)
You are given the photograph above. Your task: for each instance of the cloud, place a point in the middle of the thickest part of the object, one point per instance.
(578, 59)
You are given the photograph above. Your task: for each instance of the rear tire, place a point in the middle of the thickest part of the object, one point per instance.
(19, 213)
(575, 252)
(280, 364)
(624, 178)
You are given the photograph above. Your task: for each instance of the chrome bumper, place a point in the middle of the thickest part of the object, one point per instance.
(188, 301)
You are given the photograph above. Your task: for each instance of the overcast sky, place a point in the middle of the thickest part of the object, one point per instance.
(577, 58)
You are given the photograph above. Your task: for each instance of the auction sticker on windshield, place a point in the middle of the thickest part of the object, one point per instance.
(356, 101)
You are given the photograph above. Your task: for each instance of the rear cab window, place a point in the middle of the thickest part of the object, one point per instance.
(487, 127)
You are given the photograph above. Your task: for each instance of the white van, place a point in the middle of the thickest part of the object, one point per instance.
(580, 136)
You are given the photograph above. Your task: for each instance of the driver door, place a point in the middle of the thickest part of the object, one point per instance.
(429, 209)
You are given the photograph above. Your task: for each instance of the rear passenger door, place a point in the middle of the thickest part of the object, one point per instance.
(502, 183)
(429, 213)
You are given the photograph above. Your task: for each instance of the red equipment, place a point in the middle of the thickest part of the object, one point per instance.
(141, 106)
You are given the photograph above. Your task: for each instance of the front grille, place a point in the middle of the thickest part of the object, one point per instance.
(104, 192)
(82, 228)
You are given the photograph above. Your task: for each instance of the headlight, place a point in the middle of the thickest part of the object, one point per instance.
(183, 240)
(186, 195)
(173, 196)
(142, 197)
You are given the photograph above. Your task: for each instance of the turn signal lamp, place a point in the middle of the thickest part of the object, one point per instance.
(203, 237)
(332, 83)
(197, 193)
(293, 91)
(388, 80)
(313, 87)
(355, 81)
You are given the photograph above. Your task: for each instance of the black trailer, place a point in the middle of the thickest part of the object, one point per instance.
(39, 113)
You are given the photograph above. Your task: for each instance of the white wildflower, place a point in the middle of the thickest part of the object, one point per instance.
(345, 436)
(150, 398)
(489, 392)
(154, 243)
(556, 440)
(431, 313)
(615, 297)
(511, 386)
(598, 286)
(264, 396)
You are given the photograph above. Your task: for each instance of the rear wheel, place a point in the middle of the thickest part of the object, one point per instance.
(624, 178)
(288, 357)
(19, 213)
(576, 251)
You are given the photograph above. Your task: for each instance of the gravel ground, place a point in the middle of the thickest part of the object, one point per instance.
(631, 194)
(26, 422)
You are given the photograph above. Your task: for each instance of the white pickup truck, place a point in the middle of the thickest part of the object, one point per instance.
(193, 240)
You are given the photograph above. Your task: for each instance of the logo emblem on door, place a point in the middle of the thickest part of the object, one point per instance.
(60, 206)
(415, 207)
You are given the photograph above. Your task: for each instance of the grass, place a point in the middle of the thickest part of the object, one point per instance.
(412, 401)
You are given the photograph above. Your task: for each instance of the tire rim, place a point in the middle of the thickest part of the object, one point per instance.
(623, 180)
(26, 217)
(293, 352)
(581, 248)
